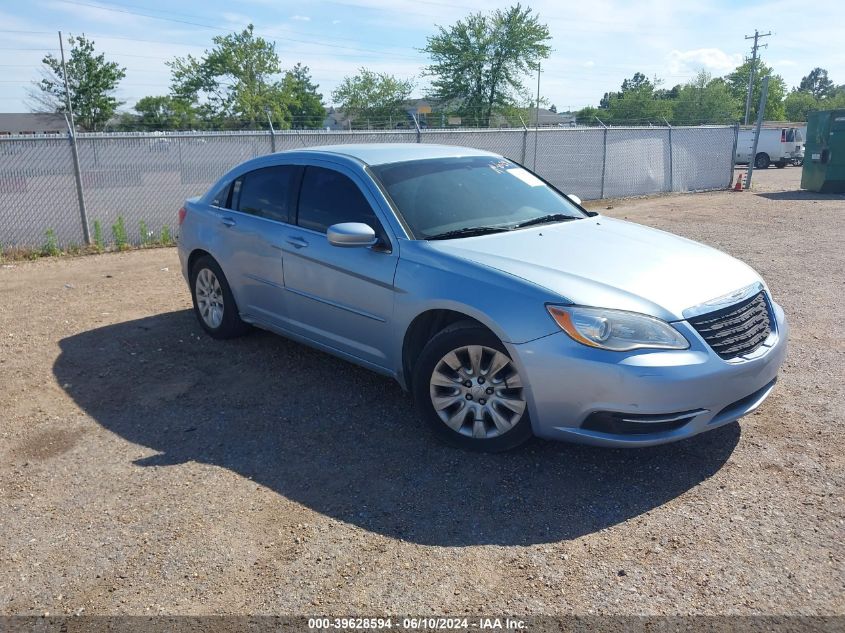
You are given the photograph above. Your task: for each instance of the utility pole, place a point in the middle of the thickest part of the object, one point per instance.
(764, 94)
(756, 37)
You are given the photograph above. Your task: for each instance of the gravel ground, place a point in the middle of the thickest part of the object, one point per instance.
(145, 468)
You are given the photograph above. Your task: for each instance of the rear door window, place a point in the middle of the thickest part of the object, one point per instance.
(266, 192)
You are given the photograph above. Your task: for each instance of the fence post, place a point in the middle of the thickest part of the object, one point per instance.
(417, 125)
(71, 130)
(732, 161)
(77, 173)
(272, 135)
(524, 139)
(671, 158)
(603, 161)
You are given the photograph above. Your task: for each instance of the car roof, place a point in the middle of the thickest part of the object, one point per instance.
(384, 153)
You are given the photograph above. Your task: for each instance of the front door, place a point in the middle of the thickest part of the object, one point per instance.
(339, 297)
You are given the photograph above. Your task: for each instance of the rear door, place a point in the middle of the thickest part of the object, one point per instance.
(260, 206)
(339, 297)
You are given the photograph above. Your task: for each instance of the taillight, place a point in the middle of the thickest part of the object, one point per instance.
(182, 213)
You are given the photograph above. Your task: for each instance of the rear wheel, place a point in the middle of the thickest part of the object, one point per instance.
(214, 305)
(469, 390)
(762, 161)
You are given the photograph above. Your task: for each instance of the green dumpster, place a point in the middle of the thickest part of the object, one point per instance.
(824, 156)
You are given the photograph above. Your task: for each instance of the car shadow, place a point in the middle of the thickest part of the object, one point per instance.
(800, 195)
(345, 442)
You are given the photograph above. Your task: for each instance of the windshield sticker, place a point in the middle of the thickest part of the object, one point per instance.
(526, 176)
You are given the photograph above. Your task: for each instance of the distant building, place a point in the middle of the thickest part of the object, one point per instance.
(31, 123)
(336, 120)
(547, 118)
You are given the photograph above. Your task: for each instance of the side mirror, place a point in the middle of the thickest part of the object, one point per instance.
(351, 234)
(574, 199)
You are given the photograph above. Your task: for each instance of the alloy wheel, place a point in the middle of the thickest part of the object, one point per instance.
(209, 298)
(477, 392)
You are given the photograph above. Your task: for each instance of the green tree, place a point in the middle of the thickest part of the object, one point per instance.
(92, 81)
(304, 103)
(587, 115)
(636, 103)
(166, 113)
(798, 105)
(737, 82)
(480, 63)
(705, 100)
(817, 83)
(373, 99)
(234, 81)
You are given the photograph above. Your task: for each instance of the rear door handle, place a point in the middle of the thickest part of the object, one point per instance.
(297, 242)
(228, 221)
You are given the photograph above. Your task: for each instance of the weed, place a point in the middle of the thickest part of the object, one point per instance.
(166, 239)
(99, 244)
(118, 230)
(51, 244)
(146, 234)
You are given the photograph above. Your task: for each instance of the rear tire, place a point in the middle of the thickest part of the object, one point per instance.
(762, 161)
(214, 304)
(469, 391)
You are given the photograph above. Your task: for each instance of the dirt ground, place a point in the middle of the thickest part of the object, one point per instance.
(145, 468)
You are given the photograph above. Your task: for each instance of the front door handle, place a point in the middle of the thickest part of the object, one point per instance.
(228, 221)
(297, 242)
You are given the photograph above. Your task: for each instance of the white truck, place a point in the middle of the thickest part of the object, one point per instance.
(778, 146)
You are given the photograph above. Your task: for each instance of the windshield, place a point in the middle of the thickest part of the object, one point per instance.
(442, 195)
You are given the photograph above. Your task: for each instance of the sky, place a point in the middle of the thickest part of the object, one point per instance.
(595, 44)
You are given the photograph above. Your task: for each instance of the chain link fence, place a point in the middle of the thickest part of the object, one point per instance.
(144, 177)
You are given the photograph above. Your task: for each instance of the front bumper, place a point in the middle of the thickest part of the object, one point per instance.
(567, 382)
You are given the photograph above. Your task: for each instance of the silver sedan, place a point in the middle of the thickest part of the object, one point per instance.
(505, 307)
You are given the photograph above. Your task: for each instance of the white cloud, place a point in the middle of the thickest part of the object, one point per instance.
(335, 21)
(713, 60)
(300, 18)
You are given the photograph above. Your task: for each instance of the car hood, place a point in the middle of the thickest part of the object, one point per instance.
(609, 263)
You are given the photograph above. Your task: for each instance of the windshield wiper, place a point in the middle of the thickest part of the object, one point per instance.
(469, 231)
(545, 219)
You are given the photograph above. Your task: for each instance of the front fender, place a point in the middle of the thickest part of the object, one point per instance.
(513, 309)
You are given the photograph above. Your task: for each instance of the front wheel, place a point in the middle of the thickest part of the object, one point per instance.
(469, 390)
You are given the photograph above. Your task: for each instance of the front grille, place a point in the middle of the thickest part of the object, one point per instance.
(738, 329)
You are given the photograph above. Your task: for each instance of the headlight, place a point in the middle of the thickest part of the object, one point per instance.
(616, 330)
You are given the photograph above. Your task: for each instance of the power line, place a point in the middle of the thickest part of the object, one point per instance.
(213, 27)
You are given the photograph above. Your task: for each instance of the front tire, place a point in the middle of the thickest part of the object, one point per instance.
(214, 304)
(469, 391)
